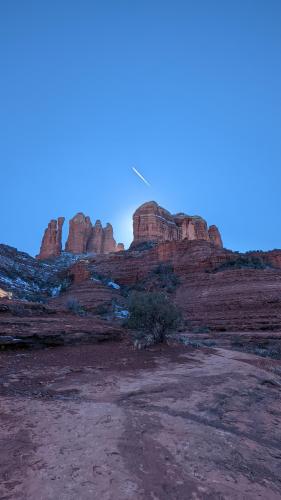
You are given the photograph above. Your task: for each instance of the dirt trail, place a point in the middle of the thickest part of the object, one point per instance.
(106, 422)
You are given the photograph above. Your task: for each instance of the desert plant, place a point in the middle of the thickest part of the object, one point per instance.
(152, 315)
(75, 307)
(244, 262)
(102, 309)
(167, 279)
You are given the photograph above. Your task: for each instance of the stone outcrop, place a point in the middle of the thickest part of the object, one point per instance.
(85, 238)
(109, 243)
(95, 241)
(120, 247)
(80, 230)
(215, 236)
(217, 288)
(153, 223)
(51, 245)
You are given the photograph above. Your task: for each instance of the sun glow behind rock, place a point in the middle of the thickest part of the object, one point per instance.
(123, 226)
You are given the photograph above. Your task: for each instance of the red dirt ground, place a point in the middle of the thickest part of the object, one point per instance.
(107, 422)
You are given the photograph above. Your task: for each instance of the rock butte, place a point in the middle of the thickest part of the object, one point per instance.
(151, 223)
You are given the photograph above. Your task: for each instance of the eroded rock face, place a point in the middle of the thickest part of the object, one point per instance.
(51, 245)
(153, 223)
(217, 288)
(80, 228)
(95, 242)
(215, 236)
(85, 238)
(109, 243)
(120, 247)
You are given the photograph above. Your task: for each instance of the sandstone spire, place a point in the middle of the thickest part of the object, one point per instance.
(51, 241)
(215, 236)
(80, 228)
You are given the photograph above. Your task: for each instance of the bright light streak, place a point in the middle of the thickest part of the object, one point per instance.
(140, 176)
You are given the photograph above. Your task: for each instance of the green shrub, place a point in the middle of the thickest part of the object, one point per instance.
(167, 279)
(152, 315)
(244, 262)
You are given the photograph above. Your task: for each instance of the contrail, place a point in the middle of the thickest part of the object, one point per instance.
(140, 176)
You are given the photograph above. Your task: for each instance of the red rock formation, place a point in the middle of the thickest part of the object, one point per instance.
(80, 228)
(120, 247)
(85, 238)
(39, 325)
(150, 223)
(191, 227)
(212, 291)
(51, 242)
(215, 236)
(153, 223)
(109, 243)
(216, 288)
(95, 242)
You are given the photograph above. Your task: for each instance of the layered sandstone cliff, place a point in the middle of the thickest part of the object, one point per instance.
(153, 223)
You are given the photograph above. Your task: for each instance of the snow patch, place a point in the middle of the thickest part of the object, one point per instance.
(55, 291)
(122, 314)
(113, 285)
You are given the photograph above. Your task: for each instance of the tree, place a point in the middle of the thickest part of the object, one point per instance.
(153, 315)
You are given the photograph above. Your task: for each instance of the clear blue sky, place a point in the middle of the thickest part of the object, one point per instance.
(187, 91)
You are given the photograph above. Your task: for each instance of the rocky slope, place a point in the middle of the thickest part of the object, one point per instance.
(41, 303)
(24, 277)
(215, 288)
